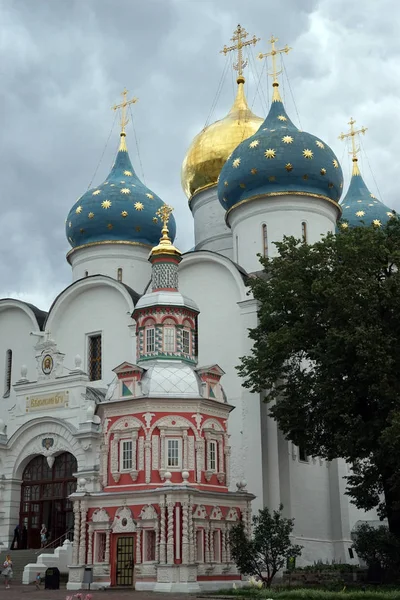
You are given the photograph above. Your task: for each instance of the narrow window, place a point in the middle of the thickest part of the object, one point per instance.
(265, 240)
(186, 341)
(199, 546)
(169, 339)
(304, 231)
(351, 553)
(100, 554)
(86, 273)
(150, 545)
(126, 455)
(213, 456)
(119, 274)
(150, 339)
(302, 454)
(7, 380)
(94, 366)
(217, 545)
(173, 453)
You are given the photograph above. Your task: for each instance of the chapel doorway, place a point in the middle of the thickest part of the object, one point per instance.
(125, 562)
(44, 498)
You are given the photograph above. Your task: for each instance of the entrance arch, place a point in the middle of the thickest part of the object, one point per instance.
(44, 498)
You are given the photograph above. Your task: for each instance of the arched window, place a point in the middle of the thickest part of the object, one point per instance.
(169, 335)
(265, 240)
(8, 369)
(304, 231)
(119, 274)
(150, 336)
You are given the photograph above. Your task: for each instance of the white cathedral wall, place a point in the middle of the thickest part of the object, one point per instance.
(210, 230)
(283, 215)
(225, 315)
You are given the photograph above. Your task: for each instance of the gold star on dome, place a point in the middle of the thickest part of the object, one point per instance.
(96, 192)
(271, 178)
(124, 214)
(112, 184)
(70, 224)
(236, 163)
(105, 183)
(360, 213)
(110, 226)
(242, 185)
(282, 118)
(150, 196)
(128, 173)
(91, 215)
(122, 181)
(319, 144)
(335, 163)
(138, 228)
(125, 191)
(376, 222)
(323, 171)
(138, 206)
(368, 205)
(359, 201)
(349, 206)
(372, 196)
(390, 214)
(270, 153)
(254, 171)
(344, 225)
(79, 210)
(289, 167)
(225, 183)
(287, 139)
(105, 204)
(254, 144)
(155, 220)
(307, 153)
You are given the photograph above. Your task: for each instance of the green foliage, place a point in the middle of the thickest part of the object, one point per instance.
(309, 594)
(327, 349)
(269, 548)
(378, 548)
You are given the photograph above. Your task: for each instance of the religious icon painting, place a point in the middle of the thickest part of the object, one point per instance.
(47, 364)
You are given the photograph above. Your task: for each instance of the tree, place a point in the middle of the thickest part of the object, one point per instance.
(266, 552)
(379, 549)
(327, 349)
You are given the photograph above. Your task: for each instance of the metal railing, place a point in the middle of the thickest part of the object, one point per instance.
(68, 535)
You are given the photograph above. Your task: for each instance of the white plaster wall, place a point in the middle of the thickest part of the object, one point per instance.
(214, 283)
(210, 230)
(283, 215)
(106, 259)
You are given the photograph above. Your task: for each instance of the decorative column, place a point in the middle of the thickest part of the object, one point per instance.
(163, 555)
(107, 550)
(227, 452)
(134, 450)
(223, 544)
(82, 541)
(170, 533)
(185, 451)
(178, 531)
(185, 533)
(228, 546)
(212, 547)
(157, 530)
(90, 546)
(147, 450)
(221, 466)
(104, 462)
(162, 453)
(192, 533)
(207, 557)
(77, 521)
(199, 459)
(138, 545)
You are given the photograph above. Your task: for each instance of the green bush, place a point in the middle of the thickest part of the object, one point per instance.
(310, 594)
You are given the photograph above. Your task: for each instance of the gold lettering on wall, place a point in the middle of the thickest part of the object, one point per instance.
(47, 401)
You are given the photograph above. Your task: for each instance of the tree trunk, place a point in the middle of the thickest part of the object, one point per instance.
(392, 501)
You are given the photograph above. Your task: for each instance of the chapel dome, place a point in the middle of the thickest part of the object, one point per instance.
(120, 210)
(360, 207)
(280, 159)
(209, 150)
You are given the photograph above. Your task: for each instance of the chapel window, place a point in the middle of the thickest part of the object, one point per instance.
(126, 454)
(265, 240)
(94, 357)
(169, 335)
(150, 339)
(213, 455)
(119, 274)
(186, 341)
(304, 231)
(100, 547)
(7, 379)
(149, 545)
(174, 452)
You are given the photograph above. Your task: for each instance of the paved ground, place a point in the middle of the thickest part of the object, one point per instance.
(28, 592)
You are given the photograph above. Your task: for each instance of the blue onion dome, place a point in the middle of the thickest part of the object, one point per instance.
(280, 159)
(120, 210)
(360, 207)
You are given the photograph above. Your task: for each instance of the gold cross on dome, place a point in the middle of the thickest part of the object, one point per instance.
(273, 53)
(238, 38)
(164, 213)
(123, 106)
(352, 135)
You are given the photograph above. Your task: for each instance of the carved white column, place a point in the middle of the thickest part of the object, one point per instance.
(207, 557)
(134, 451)
(82, 541)
(223, 544)
(228, 546)
(185, 533)
(199, 459)
(147, 450)
(107, 550)
(141, 454)
(221, 466)
(212, 549)
(138, 545)
(163, 555)
(104, 462)
(185, 451)
(178, 539)
(170, 533)
(77, 528)
(157, 530)
(192, 533)
(227, 461)
(114, 468)
(155, 452)
(90, 546)
(162, 440)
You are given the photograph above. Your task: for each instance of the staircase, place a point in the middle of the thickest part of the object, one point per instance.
(21, 558)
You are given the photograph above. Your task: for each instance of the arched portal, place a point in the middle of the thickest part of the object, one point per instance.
(44, 498)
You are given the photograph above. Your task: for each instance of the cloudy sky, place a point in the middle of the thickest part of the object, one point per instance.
(63, 63)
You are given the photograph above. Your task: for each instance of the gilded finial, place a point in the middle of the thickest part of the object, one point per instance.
(165, 245)
(124, 119)
(238, 38)
(275, 72)
(354, 149)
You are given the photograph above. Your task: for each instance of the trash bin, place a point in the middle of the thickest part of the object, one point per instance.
(88, 576)
(52, 579)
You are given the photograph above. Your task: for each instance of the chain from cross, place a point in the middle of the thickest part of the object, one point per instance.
(123, 106)
(273, 54)
(352, 135)
(238, 38)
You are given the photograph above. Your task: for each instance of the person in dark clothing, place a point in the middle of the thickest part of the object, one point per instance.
(16, 539)
(24, 538)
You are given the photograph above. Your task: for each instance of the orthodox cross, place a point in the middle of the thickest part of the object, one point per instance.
(164, 213)
(352, 135)
(238, 38)
(273, 53)
(124, 104)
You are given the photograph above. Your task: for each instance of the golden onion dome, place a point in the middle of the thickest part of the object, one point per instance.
(213, 145)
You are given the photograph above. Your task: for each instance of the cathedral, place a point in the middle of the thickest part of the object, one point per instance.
(123, 423)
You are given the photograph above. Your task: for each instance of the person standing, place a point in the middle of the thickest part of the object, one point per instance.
(7, 571)
(43, 536)
(16, 539)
